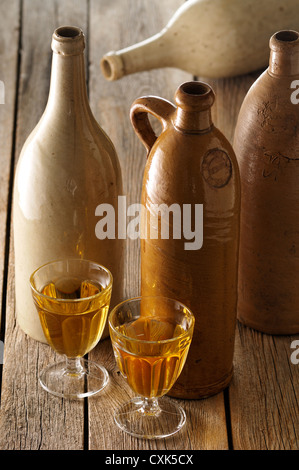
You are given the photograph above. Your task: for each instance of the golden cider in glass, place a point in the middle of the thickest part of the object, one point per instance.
(73, 315)
(151, 353)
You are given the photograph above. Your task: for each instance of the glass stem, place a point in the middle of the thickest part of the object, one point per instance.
(151, 406)
(74, 366)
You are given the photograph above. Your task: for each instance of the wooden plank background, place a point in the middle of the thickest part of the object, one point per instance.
(260, 409)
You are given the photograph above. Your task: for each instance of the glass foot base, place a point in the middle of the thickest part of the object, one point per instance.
(150, 418)
(84, 380)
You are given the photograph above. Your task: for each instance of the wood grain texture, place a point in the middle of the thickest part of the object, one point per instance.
(263, 395)
(264, 392)
(31, 418)
(9, 50)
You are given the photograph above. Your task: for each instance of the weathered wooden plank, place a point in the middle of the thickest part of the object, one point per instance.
(263, 400)
(114, 25)
(264, 393)
(9, 42)
(31, 418)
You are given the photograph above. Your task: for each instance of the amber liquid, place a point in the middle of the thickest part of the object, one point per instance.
(72, 326)
(152, 368)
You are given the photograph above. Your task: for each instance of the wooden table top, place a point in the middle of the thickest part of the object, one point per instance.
(260, 408)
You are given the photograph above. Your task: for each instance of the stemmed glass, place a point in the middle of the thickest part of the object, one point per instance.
(72, 298)
(150, 338)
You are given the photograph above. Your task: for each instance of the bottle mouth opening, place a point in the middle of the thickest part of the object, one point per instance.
(112, 66)
(107, 69)
(286, 36)
(285, 41)
(194, 96)
(68, 32)
(68, 40)
(195, 88)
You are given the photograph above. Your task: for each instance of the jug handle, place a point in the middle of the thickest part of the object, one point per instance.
(160, 108)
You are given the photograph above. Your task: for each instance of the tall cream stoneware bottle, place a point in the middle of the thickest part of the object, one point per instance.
(208, 38)
(67, 168)
(266, 143)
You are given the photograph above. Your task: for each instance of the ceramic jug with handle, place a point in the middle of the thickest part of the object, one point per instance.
(190, 228)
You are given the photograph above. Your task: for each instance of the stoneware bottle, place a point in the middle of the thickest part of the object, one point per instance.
(191, 187)
(209, 39)
(67, 168)
(266, 142)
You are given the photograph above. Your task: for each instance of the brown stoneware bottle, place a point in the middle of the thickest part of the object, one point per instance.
(190, 228)
(267, 147)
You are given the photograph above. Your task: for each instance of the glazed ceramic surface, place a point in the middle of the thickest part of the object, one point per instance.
(208, 38)
(191, 164)
(67, 167)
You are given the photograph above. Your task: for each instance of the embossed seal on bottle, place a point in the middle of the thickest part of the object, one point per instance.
(216, 168)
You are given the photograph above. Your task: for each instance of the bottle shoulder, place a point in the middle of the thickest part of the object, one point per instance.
(75, 139)
(63, 166)
(267, 120)
(191, 168)
(175, 145)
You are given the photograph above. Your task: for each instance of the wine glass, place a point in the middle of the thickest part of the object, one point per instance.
(72, 297)
(150, 338)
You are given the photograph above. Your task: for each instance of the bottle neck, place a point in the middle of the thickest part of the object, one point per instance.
(68, 91)
(145, 55)
(194, 102)
(284, 55)
(282, 64)
(193, 121)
